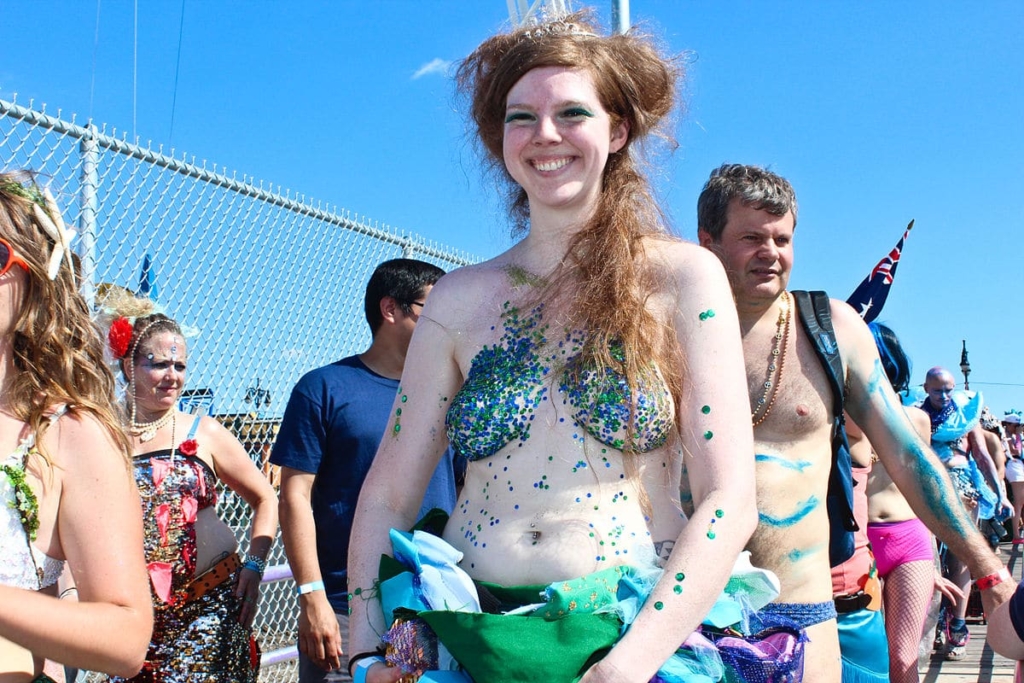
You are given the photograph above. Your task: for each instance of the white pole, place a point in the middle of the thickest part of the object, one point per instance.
(620, 16)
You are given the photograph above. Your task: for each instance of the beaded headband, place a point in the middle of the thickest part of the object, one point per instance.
(48, 216)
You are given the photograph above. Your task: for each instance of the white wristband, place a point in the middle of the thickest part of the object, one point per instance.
(362, 666)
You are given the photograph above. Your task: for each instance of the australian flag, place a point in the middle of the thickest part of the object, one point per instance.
(870, 295)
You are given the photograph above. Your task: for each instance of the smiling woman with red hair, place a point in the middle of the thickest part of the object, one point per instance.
(583, 373)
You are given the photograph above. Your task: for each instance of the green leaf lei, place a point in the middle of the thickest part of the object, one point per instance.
(25, 501)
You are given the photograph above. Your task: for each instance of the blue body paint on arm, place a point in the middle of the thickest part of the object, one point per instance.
(912, 454)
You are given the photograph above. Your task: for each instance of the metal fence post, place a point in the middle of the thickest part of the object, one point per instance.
(90, 151)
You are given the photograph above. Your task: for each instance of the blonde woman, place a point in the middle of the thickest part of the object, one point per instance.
(204, 591)
(65, 480)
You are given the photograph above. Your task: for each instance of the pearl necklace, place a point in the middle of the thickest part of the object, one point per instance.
(147, 430)
(771, 389)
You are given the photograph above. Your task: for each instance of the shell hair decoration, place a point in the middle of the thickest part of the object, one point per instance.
(48, 216)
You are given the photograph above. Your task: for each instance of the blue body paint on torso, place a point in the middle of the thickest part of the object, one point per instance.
(798, 554)
(798, 465)
(803, 509)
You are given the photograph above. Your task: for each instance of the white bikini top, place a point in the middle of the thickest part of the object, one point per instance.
(22, 565)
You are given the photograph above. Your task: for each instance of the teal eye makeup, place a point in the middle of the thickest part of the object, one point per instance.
(518, 116)
(577, 112)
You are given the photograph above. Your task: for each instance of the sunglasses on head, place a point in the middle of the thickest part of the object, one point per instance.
(8, 258)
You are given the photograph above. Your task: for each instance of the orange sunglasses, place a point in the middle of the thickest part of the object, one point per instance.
(8, 258)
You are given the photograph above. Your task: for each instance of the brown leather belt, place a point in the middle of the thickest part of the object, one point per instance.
(213, 577)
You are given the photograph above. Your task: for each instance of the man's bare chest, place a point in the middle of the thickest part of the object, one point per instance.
(793, 400)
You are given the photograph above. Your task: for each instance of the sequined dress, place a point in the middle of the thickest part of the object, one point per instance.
(198, 640)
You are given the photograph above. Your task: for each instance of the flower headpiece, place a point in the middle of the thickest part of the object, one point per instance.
(989, 422)
(49, 218)
(119, 308)
(119, 337)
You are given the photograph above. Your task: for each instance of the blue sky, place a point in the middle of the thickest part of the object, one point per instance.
(877, 112)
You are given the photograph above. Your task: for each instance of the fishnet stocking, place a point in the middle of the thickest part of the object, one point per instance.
(907, 593)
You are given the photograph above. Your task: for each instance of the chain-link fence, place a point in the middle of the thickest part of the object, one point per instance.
(272, 283)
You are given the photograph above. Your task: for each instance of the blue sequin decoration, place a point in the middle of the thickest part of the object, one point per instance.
(506, 384)
(502, 391)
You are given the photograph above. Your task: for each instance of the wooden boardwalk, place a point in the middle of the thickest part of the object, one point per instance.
(981, 665)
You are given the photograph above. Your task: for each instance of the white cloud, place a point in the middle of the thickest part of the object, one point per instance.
(434, 66)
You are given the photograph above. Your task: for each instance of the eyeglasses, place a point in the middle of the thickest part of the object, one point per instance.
(421, 304)
(8, 258)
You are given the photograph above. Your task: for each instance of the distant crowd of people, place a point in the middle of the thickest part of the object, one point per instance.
(541, 468)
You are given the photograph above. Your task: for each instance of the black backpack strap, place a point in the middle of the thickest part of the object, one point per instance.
(815, 312)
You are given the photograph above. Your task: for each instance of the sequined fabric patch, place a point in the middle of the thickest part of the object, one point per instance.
(201, 642)
(412, 647)
(172, 493)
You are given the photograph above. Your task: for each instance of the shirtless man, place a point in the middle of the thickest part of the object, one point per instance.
(747, 216)
(957, 438)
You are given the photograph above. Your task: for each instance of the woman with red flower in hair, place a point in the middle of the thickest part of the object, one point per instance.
(205, 595)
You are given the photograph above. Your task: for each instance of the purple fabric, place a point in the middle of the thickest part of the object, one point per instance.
(775, 655)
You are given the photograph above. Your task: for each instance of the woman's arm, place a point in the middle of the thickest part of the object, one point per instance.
(239, 473)
(717, 440)
(99, 529)
(407, 457)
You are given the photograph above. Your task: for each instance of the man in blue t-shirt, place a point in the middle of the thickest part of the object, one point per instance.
(332, 426)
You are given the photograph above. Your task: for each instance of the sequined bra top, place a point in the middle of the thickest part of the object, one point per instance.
(174, 486)
(507, 382)
(22, 565)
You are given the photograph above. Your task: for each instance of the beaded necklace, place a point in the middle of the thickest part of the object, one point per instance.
(778, 359)
(938, 416)
(147, 430)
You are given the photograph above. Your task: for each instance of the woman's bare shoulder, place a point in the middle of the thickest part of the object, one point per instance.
(78, 425)
(79, 443)
(681, 257)
(464, 294)
(210, 431)
(686, 269)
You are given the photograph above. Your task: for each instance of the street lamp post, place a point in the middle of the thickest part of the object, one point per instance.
(257, 395)
(965, 366)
